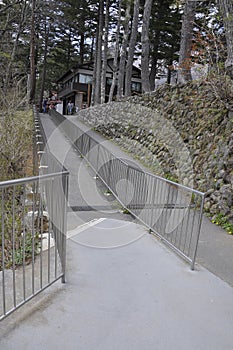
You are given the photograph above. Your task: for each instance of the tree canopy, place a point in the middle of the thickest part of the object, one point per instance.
(41, 40)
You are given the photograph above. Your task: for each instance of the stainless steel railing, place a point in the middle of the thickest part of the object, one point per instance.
(170, 210)
(32, 229)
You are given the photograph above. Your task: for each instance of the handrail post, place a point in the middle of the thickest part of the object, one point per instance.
(198, 232)
(109, 171)
(64, 226)
(127, 184)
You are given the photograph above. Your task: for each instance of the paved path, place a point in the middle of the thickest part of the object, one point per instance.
(215, 250)
(125, 290)
(132, 297)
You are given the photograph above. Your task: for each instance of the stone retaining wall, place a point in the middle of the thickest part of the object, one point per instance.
(181, 132)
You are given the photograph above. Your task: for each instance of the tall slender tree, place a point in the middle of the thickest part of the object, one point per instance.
(123, 53)
(105, 51)
(116, 53)
(8, 32)
(226, 7)
(184, 72)
(96, 83)
(165, 37)
(146, 46)
(131, 49)
(32, 86)
(44, 68)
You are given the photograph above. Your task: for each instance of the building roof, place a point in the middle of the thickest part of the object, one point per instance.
(90, 66)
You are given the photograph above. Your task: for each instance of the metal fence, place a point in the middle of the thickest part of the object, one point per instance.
(170, 210)
(32, 229)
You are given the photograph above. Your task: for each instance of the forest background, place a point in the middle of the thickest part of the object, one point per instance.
(41, 39)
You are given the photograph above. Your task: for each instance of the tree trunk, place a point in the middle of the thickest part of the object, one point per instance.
(132, 43)
(99, 55)
(105, 52)
(92, 48)
(32, 56)
(82, 48)
(184, 71)
(146, 46)
(121, 73)
(226, 7)
(94, 69)
(47, 30)
(68, 59)
(154, 61)
(22, 21)
(116, 55)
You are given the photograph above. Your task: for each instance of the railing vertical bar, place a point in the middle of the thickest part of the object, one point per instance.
(97, 160)
(130, 188)
(13, 245)
(145, 197)
(49, 247)
(153, 196)
(3, 253)
(24, 234)
(41, 222)
(198, 232)
(192, 226)
(33, 238)
(168, 208)
(177, 230)
(89, 148)
(161, 204)
(149, 208)
(141, 194)
(158, 204)
(127, 186)
(185, 229)
(53, 213)
(64, 227)
(137, 192)
(109, 171)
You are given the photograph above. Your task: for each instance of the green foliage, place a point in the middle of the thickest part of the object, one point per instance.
(16, 130)
(125, 211)
(21, 244)
(171, 177)
(28, 248)
(222, 221)
(165, 31)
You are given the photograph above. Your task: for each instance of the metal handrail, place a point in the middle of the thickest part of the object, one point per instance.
(31, 179)
(179, 226)
(31, 209)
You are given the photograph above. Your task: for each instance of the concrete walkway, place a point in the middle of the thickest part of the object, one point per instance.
(125, 290)
(215, 250)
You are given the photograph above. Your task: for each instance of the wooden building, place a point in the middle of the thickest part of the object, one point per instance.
(76, 84)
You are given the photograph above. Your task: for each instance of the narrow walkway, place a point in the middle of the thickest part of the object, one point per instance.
(88, 198)
(125, 290)
(215, 250)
